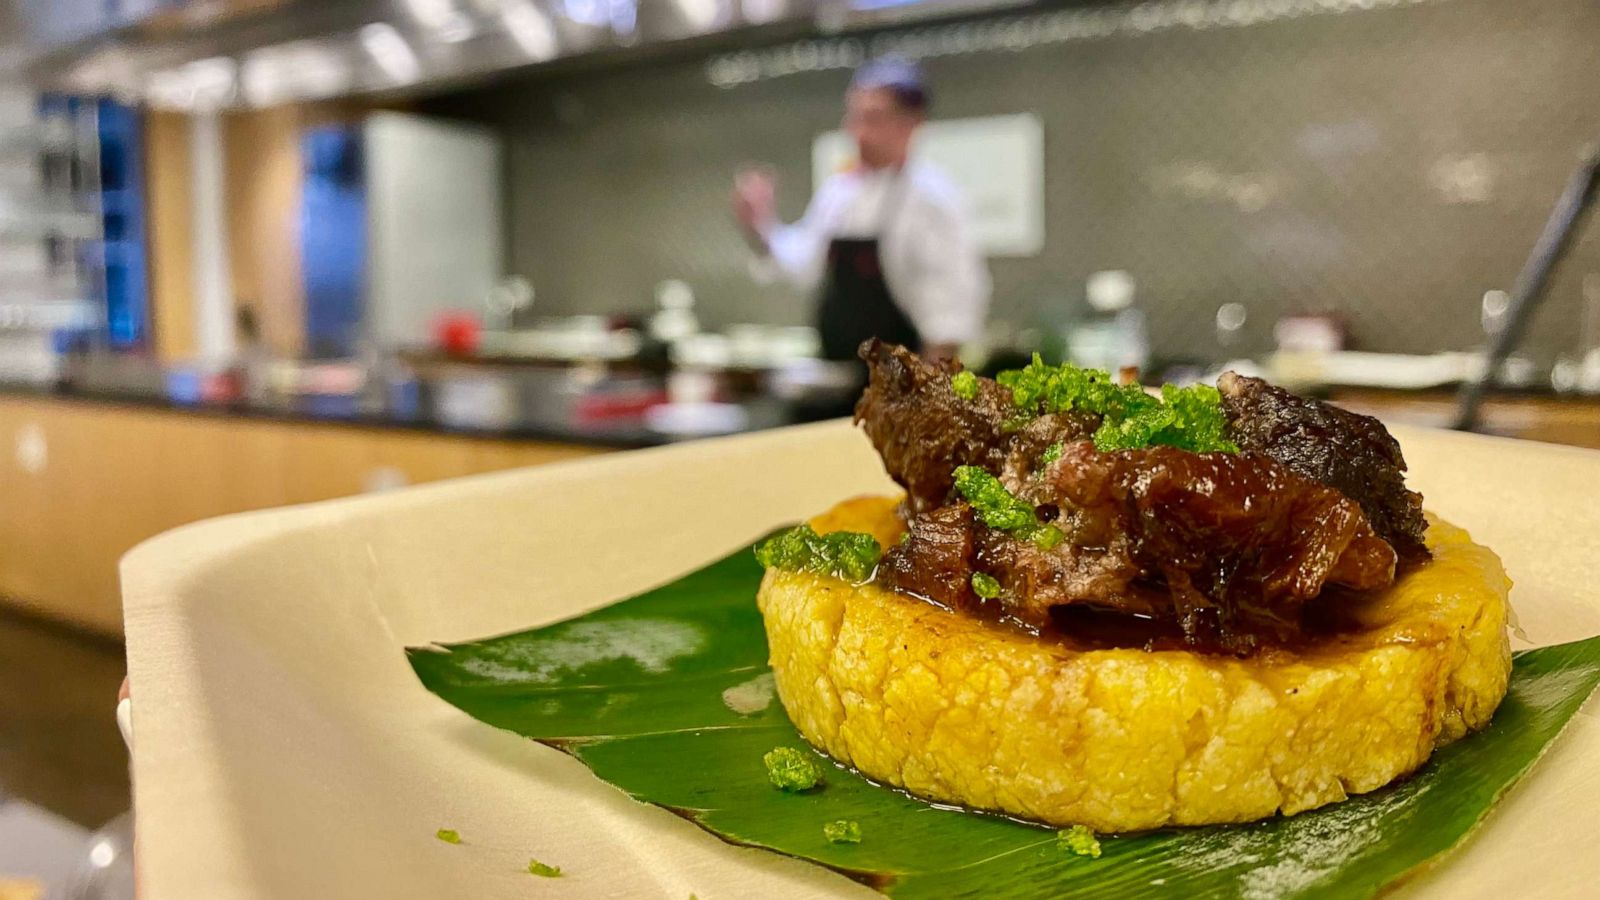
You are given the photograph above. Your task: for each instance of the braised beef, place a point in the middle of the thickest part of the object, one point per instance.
(1351, 453)
(1216, 551)
(935, 562)
(923, 430)
(1227, 546)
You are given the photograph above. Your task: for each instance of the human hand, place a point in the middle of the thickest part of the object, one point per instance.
(755, 200)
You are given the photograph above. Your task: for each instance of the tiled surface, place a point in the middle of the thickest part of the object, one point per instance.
(1389, 165)
(59, 744)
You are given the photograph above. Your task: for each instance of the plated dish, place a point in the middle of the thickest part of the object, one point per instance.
(1100, 642)
(288, 747)
(1096, 607)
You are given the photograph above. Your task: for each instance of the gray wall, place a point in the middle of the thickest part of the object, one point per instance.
(1390, 165)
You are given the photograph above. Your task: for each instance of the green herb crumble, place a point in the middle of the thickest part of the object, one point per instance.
(842, 554)
(965, 385)
(1001, 510)
(985, 586)
(1080, 840)
(543, 871)
(792, 770)
(844, 831)
(1189, 418)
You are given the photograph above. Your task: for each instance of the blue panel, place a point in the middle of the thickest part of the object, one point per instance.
(123, 208)
(333, 237)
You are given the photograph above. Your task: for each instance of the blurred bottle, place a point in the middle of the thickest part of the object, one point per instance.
(255, 360)
(508, 303)
(1112, 334)
(674, 318)
(391, 386)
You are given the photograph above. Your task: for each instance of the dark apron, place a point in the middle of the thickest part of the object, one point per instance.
(855, 306)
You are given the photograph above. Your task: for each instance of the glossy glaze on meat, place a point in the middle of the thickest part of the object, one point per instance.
(1351, 453)
(923, 431)
(1216, 551)
(1227, 546)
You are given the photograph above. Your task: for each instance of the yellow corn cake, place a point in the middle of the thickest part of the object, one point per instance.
(957, 710)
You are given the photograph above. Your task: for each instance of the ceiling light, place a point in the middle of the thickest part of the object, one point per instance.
(391, 52)
(531, 28)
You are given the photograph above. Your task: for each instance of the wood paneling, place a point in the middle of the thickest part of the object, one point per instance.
(263, 179)
(169, 198)
(114, 476)
(263, 176)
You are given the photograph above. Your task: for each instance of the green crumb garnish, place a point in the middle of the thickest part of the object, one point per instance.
(965, 385)
(792, 770)
(1038, 388)
(1003, 511)
(994, 504)
(985, 586)
(842, 554)
(1052, 453)
(1045, 537)
(448, 835)
(1080, 840)
(1189, 418)
(844, 831)
(543, 871)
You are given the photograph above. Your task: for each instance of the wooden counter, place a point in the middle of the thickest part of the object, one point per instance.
(82, 482)
(1553, 420)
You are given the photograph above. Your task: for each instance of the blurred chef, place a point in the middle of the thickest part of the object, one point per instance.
(886, 245)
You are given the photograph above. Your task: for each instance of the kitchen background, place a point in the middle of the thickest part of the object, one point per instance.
(261, 252)
(1389, 164)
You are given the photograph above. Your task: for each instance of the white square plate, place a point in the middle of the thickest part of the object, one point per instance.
(284, 749)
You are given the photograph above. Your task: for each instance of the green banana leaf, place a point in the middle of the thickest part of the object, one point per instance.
(668, 696)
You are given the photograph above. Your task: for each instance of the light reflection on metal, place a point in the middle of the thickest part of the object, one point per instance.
(530, 27)
(624, 18)
(286, 50)
(391, 52)
(760, 12)
(704, 15)
(587, 12)
(295, 70)
(441, 20)
(205, 84)
(434, 14)
(1017, 32)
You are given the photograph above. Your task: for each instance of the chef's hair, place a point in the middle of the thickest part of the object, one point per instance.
(897, 75)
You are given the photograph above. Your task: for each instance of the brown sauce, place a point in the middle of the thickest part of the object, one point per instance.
(1333, 616)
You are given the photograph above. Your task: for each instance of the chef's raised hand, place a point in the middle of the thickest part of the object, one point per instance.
(755, 204)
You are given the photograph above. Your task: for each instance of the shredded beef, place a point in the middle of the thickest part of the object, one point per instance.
(924, 430)
(935, 562)
(1351, 453)
(1229, 547)
(1215, 551)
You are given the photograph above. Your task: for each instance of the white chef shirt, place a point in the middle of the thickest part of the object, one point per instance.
(934, 270)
